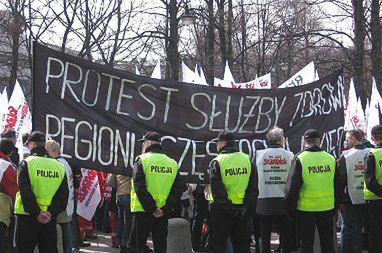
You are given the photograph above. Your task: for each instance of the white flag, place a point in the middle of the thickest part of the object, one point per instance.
(375, 103)
(354, 113)
(89, 194)
(18, 111)
(264, 82)
(137, 71)
(157, 72)
(305, 75)
(228, 78)
(189, 76)
(3, 108)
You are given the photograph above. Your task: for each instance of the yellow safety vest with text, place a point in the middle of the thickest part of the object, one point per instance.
(45, 175)
(235, 171)
(317, 191)
(160, 173)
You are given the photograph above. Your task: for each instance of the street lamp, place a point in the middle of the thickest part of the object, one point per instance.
(188, 18)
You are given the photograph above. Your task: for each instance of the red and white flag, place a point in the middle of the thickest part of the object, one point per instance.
(89, 194)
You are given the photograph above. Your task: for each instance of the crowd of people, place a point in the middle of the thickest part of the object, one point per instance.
(242, 203)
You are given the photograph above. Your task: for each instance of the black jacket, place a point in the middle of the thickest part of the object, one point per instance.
(370, 179)
(294, 182)
(60, 199)
(219, 192)
(343, 172)
(147, 201)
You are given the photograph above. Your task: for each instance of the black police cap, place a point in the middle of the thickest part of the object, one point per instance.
(224, 136)
(36, 136)
(311, 134)
(151, 136)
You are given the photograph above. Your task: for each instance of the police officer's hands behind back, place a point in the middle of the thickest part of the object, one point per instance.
(158, 213)
(44, 217)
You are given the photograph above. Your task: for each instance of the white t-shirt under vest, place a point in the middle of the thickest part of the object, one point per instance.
(273, 165)
(355, 164)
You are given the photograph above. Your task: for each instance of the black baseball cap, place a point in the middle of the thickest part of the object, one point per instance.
(312, 133)
(36, 136)
(225, 136)
(151, 136)
(376, 130)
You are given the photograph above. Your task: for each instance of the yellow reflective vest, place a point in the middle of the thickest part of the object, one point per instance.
(45, 175)
(317, 191)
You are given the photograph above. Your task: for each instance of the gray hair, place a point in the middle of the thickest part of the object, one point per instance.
(54, 146)
(275, 135)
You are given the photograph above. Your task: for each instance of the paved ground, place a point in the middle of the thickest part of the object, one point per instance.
(103, 245)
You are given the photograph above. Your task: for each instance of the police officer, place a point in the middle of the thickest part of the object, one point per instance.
(373, 191)
(351, 165)
(273, 165)
(156, 187)
(313, 189)
(43, 195)
(234, 191)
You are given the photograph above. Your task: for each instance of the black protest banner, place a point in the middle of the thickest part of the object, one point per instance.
(97, 114)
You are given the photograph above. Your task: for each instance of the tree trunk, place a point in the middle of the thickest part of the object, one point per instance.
(211, 43)
(376, 37)
(230, 32)
(172, 66)
(243, 40)
(221, 30)
(359, 48)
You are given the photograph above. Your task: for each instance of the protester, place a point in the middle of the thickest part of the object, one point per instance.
(43, 195)
(199, 217)
(272, 166)
(64, 219)
(234, 191)
(77, 241)
(26, 151)
(313, 189)
(11, 134)
(8, 190)
(351, 166)
(156, 188)
(123, 184)
(113, 213)
(373, 191)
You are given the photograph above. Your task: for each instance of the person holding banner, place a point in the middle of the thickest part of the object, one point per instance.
(156, 187)
(373, 191)
(272, 166)
(351, 165)
(43, 195)
(313, 189)
(234, 191)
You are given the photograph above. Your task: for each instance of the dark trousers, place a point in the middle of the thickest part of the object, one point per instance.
(307, 224)
(234, 224)
(124, 219)
(200, 214)
(29, 233)
(106, 227)
(374, 224)
(3, 237)
(66, 237)
(351, 229)
(283, 222)
(141, 226)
